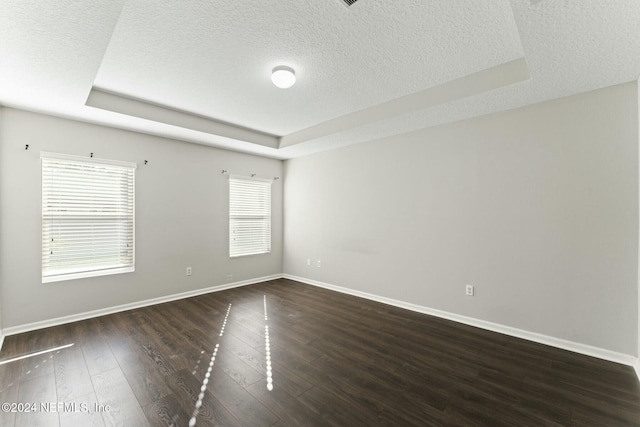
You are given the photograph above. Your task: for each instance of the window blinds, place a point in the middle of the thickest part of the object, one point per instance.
(87, 217)
(249, 216)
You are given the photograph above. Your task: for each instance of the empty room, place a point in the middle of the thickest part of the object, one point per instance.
(319, 213)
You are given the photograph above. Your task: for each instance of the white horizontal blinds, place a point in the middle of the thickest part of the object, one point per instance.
(249, 216)
(87, 216)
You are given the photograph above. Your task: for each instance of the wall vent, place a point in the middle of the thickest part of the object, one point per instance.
(349, 2)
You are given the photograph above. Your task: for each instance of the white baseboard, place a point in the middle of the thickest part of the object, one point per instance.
(130, 306)
(588, 350)
(495, 327)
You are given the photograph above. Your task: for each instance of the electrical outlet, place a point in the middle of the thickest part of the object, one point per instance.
(188, 271)
(308, 262)
(469, 290)
(229, 277)
(319, 263)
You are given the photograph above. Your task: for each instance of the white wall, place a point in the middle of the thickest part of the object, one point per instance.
(181, 218)
(537, 207)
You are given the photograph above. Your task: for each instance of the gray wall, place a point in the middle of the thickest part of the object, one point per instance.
(537, 207)
(181, 217)
(1, 232)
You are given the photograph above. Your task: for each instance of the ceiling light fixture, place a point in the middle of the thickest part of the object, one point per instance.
(282, 76)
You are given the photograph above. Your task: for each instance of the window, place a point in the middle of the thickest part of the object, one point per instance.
(87, 217)
(249, 216)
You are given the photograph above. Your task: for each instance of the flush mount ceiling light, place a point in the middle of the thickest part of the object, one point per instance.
(282, 76)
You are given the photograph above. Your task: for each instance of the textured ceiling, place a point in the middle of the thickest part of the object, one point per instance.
(215, 58)
(199, 70)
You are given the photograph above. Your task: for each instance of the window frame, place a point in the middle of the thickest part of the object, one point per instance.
(50, 275)
(266, 217)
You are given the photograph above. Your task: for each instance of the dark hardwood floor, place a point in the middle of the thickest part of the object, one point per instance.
(335, 360)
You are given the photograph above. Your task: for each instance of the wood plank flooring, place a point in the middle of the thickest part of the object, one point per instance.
(335, 360)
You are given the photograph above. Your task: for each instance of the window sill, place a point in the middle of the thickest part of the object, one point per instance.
(249, 254)
(86, 274)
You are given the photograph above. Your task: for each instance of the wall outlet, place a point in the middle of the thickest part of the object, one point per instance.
(319, 263)
(229, 277)
(188, 271)
(469, 290)
(308, 262)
